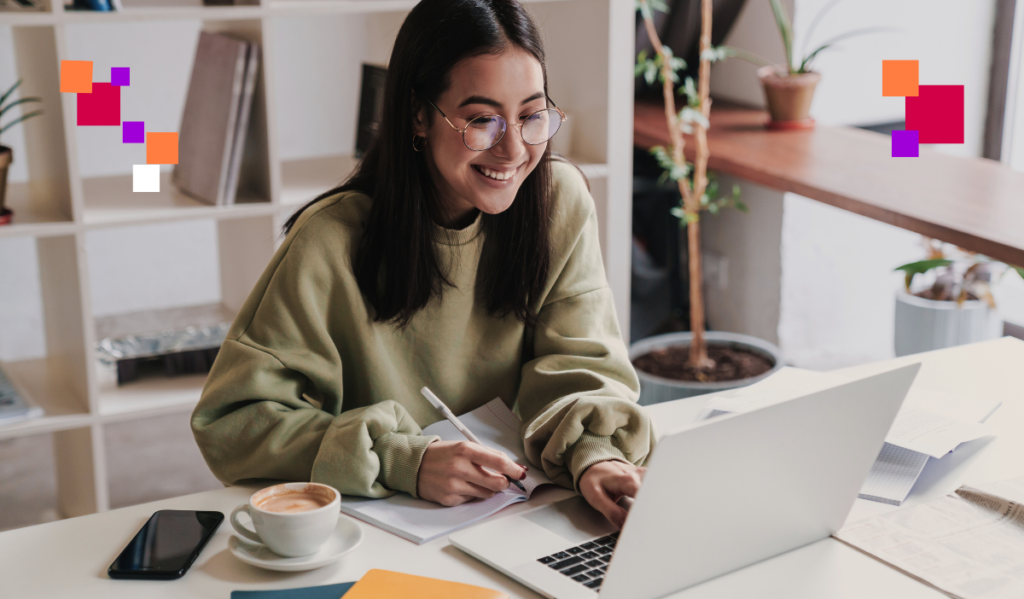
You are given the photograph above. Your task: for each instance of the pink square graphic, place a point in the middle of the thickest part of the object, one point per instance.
(937, 112)
(100, 108)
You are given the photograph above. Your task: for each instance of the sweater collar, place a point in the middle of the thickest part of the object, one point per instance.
(462, 236)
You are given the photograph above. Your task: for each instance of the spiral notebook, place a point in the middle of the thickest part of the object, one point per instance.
(420, 521)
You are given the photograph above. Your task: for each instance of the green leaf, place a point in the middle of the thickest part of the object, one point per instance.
(676, 212)
(18, 120)
(785, 29)
(730, 51)
(1020, 271)
(644, 8)
(741, 206)
(916, 268)
(817, 19)
(9, 92)
(806, 63)
(21, 101)
(691, 217)
(659, 5)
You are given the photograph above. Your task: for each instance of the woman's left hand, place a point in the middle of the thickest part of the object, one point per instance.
(603, 484)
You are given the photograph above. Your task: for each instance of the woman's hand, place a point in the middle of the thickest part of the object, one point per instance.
(453, 472)
(603, 484)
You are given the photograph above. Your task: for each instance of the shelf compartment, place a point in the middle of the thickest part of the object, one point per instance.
(40, 383)
(110, 201)
(304, 179)
(35, 218)
(153, 395)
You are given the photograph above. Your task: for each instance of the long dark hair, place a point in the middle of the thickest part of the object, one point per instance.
(395, 262)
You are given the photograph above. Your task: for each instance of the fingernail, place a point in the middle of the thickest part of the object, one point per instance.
(524, 475)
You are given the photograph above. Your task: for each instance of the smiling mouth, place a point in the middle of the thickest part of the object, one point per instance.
(497, 175)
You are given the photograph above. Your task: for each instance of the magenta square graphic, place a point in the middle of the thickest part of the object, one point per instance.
(100, 108)
(904, 144)
(133, 132)
(937, 113)
(120, 76)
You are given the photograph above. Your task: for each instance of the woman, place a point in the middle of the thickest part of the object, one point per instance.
(459, 256)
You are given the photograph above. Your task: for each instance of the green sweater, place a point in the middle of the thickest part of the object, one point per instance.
(307, 387)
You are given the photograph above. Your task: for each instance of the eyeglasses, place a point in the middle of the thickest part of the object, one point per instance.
(484, 132)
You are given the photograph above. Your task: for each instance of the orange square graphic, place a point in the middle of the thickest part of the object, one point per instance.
(899, 78)
(161, 148)
(76, 76)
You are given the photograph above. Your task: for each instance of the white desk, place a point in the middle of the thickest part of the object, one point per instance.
(69, 558)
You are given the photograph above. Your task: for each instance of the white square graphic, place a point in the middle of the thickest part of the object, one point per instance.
(145, 177)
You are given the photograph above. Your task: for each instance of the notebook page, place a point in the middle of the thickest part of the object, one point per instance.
(420, 521)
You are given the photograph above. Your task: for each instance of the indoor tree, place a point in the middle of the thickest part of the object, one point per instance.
(698, 191)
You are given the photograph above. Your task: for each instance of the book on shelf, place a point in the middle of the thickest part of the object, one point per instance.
(14, 407)
(371, 106)
(216, 118)
(21, 6)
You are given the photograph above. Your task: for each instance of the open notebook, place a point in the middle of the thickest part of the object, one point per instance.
(421, 521)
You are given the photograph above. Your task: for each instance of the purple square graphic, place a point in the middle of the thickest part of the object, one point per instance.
(120, 76)
(134, 132)
(904, 144)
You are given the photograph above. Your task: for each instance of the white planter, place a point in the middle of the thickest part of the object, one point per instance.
(656, 389)
(924, 324)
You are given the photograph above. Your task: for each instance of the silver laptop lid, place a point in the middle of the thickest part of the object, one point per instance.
(728, 492)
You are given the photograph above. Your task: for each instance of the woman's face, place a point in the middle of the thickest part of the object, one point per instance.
(510, 84)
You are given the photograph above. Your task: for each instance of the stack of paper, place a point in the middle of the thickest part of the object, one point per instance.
(930, 424)
(969, 543)
(420, 521)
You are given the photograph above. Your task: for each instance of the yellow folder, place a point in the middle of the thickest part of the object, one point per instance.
(384, 584)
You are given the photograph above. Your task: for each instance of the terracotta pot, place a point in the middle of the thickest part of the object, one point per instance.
(6, 157)
(789, 97)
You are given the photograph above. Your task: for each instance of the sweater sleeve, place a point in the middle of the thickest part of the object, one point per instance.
(272, 406)
(578, 392)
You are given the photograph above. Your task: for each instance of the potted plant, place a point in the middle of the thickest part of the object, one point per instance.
(680, 365)
(6, 154)
(952, 304)
(789, 88)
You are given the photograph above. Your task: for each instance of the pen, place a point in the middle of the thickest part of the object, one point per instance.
(440, 407)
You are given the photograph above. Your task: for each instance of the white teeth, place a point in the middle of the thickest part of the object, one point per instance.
(497, 175)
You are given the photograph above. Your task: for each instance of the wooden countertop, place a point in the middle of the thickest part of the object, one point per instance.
(975, 203)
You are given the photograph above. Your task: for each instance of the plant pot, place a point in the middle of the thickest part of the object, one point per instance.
(924, 324)
(788, 96)
(6, 157)
(656, 389)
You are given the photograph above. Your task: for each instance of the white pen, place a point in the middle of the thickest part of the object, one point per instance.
(440, 407)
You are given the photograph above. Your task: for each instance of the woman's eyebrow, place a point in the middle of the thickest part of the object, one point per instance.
(495, 103)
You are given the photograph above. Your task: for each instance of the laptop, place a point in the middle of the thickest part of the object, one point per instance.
(718, 495)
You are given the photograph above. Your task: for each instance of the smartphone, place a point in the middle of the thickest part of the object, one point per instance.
(166, 546)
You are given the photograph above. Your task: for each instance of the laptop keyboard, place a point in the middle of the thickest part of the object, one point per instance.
(584, 563)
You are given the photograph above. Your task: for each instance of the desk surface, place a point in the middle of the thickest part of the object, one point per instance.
(69, 558)
(975, 203)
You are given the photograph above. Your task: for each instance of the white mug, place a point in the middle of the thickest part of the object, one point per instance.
(290, 534)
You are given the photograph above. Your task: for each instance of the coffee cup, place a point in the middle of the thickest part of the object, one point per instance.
(291, 519)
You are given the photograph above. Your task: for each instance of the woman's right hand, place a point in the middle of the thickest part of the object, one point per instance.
(454, 472)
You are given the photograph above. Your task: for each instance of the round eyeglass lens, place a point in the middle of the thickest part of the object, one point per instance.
(483, 132)
(541, 126)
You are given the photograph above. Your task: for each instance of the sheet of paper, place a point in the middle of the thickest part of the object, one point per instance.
(420, 521)
(893, 475)
(969, 544)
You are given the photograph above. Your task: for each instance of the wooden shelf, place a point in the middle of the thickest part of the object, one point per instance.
(40, 383)
(147, 396)
(38, 219)
(163, 13)
(110, 201)
(975, 203)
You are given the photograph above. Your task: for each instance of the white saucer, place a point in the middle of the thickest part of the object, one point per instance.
(347, 536)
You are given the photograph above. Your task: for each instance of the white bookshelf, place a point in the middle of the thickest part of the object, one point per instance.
(590, 55)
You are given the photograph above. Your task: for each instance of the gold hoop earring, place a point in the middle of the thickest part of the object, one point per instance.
(414, 138)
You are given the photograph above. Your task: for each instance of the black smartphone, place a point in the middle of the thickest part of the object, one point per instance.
(166, 546)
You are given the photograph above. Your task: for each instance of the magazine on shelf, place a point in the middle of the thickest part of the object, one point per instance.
(13, 407)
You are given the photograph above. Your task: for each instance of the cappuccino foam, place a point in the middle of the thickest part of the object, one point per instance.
(293, 502)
